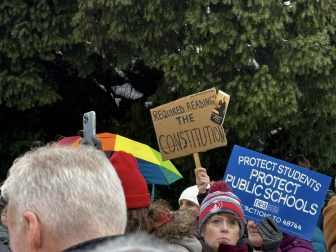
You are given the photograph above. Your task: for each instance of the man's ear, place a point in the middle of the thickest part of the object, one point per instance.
(33, 234)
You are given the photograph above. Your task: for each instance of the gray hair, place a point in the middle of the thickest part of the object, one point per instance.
(75, 191)
(139, 242)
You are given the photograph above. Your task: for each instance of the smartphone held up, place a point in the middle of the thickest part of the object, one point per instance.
(89, 126)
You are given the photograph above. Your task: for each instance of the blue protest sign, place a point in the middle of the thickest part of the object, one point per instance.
(267, 186)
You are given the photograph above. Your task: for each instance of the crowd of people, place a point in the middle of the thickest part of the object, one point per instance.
(64, 198)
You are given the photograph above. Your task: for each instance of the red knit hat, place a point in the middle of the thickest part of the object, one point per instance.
(134, 184)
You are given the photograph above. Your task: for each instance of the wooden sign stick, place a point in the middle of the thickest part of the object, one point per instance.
(197, 160)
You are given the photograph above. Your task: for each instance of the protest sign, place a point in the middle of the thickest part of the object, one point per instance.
(267, 186)
(184, 126)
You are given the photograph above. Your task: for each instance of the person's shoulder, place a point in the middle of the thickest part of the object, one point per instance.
(187, 243)
(332, 200)
(91, 244)
(295, 244)
(330, 208)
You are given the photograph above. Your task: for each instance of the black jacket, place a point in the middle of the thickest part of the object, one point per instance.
(89, 245)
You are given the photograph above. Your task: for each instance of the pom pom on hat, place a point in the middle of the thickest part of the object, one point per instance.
(219, 186)
(220, 199)
(133, 182)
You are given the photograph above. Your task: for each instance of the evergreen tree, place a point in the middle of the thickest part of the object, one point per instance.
(275, 58)
(59, 59)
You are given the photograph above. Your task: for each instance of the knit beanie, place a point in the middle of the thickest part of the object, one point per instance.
(133, 182)
(220, 199)
(190, 194)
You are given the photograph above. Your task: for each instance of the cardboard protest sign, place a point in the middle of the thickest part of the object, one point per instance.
(184, 126)
(267, 186)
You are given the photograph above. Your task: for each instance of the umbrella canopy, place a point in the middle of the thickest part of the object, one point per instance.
(153, 168)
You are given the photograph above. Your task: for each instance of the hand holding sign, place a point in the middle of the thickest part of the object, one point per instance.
(202, 179)
(265, 235)
(270, 233)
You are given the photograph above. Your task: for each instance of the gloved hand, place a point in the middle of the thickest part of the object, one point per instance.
(96, 141)
(270, 233)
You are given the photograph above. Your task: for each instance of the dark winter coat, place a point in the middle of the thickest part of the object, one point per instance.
(241, 247)
(89, 245)
(295, 244)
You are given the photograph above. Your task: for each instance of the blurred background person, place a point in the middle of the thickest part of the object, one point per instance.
(329, 224)
(153, 218)
(188, 200)
(317, 242)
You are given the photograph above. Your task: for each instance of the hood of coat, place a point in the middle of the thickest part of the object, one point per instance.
(187, 244)
(182, 224)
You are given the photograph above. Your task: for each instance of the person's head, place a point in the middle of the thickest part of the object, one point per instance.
(148, 219)
(137, 220)
(60, 196)
(188, 200)
(159, 214)
(135, 189)
(221, 216)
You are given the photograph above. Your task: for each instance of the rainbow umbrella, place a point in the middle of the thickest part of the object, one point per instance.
(153, 168)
